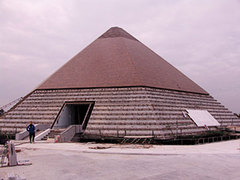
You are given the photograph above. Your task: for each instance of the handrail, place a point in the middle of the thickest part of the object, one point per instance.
(42, 134)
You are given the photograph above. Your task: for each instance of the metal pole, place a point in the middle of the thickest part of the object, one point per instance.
(177, 128)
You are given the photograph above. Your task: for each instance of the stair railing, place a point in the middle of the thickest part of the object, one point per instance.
(42, 134)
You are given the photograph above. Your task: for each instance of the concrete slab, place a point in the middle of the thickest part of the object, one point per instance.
(111, 161)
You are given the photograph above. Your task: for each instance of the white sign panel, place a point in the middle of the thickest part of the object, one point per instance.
(202, 118)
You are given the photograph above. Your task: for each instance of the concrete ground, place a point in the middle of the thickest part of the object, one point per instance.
(62, 161)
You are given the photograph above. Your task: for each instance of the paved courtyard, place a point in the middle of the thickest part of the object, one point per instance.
(110, 161)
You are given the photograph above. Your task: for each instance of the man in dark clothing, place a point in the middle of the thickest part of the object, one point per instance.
(31, 130)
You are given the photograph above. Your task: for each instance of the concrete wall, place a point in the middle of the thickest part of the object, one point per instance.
(25, 133)
(64, 119)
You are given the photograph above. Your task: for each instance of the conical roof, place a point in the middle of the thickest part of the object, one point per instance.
(117, 59)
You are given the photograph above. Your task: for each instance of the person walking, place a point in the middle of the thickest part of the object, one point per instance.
(31, 130)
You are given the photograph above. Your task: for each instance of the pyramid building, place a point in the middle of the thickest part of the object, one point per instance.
(118, 87)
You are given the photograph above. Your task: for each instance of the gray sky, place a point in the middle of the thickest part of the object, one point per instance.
(200, 38)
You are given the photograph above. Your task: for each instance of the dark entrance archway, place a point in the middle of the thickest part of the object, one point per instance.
(78, 113)
(74, 113)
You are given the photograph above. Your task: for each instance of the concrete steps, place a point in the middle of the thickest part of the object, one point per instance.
(52, 134)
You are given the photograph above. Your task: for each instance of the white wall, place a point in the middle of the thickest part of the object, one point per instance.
(64, 119)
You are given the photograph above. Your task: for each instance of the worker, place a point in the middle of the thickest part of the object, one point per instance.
(31, 130)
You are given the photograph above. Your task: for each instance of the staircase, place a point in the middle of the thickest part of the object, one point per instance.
(53, 133)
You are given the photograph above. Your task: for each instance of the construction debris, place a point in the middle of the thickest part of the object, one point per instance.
(8, 153)
(122, 146)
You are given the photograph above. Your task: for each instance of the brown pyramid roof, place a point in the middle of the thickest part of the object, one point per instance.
(117, 59)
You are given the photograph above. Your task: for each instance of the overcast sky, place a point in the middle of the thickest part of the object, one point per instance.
(201, 38)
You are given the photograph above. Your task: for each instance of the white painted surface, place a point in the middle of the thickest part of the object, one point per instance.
(64, 118)
(202, 118)
(41, 135)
